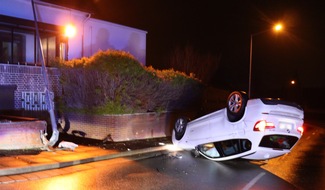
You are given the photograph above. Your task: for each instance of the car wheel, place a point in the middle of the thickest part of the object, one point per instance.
(236, 105)
(180, 128)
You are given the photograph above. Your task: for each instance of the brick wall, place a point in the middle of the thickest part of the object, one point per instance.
(122, 127)
(119, 127)
(28, 78)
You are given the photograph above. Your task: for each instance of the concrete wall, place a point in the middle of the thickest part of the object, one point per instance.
(102, 35)
(21, 135)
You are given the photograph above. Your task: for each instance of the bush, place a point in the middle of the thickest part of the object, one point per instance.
(115, 82)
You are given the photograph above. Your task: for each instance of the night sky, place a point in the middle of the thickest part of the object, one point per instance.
(224, 28)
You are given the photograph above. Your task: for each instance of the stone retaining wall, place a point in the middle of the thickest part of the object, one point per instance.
(120, 127)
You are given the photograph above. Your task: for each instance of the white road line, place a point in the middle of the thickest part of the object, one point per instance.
(253, 181)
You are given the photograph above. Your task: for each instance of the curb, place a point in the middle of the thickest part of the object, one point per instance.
(40, 167)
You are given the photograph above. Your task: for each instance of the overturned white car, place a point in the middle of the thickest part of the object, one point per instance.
(256, 129)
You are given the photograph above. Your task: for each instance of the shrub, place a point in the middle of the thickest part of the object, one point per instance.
(115, 82)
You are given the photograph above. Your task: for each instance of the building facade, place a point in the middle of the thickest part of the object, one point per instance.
(20, 55)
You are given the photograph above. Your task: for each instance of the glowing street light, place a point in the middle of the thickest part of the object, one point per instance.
(276, 28)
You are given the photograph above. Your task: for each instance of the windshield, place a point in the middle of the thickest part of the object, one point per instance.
(225, 148)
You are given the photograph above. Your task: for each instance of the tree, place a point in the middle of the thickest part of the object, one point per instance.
(189, 61)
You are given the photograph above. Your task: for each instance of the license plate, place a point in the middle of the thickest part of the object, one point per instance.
(284, 125)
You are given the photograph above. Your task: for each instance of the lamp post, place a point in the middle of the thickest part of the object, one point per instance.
(276, 28)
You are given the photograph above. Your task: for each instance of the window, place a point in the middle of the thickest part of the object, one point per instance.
(5, 45)
(210, 150)
(19, 43)
(16, 46)
(49, 48)
(225, 148)
(23, 47)
(278, 141)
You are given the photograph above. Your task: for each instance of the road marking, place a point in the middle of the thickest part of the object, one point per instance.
(253, 181)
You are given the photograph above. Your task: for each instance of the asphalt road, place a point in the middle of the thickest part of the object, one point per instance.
(305, 165)
(303, 168)
(178, 170)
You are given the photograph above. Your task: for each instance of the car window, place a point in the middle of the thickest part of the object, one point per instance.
(230, 147)
(278, 141)
(210, 150)
(225, 148)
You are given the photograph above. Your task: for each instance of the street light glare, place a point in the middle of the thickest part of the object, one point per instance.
(278, 27)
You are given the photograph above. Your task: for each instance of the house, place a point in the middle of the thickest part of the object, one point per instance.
(21, 80)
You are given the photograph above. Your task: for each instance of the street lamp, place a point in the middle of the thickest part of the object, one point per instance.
(276, 28)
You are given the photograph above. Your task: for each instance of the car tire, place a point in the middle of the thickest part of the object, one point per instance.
(180, 127)
(236, 104)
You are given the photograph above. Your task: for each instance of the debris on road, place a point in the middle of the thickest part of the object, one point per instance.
(175, 155)
(65, 145)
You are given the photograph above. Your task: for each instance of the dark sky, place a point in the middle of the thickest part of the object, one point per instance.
(224, 28)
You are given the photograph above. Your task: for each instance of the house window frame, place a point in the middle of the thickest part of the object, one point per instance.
(46, 31)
